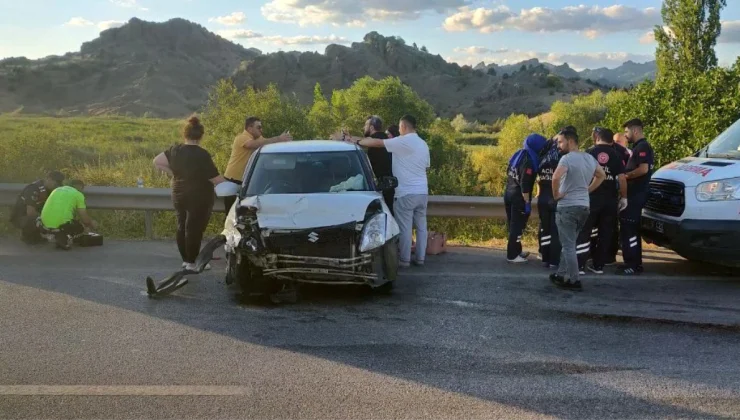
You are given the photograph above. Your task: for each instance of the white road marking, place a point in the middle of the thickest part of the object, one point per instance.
(125, 390)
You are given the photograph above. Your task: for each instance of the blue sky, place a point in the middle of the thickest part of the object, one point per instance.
(584, 33)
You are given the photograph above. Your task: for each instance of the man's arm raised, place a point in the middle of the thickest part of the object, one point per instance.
(257, 143)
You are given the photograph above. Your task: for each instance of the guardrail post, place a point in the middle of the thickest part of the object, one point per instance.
(149, 224)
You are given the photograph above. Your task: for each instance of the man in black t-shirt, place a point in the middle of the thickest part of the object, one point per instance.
(605, 202)
(29, 204)
(380, 158)
(638, 171)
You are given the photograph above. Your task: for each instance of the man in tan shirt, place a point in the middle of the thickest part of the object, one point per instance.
(241, 150)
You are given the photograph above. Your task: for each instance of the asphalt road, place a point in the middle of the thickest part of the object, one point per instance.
(467, 336)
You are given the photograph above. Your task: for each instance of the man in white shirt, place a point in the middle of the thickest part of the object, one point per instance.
(410, 163)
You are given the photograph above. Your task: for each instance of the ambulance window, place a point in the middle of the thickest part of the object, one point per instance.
(727, 144)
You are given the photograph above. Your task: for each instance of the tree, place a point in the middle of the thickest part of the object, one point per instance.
(415, 47)
(320, 117)
(491, 71)
(227, 107)
(424, 49)
(687, 37)
(388, 98)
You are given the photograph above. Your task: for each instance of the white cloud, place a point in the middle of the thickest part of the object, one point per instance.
(352, 12)
(578, 61)
(592, 21)
(648, 38)
(306, 40)
(239, 34)
(284, 40)
(103, 25)
(730, 32)
(108, 24)
(235, 18)
(129, 4)
(472, 50)
(78, 21)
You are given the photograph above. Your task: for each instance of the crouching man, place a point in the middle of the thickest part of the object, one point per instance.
(29, 204)
(65, 214)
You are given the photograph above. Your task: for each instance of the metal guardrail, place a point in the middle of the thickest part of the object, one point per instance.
(158, 199)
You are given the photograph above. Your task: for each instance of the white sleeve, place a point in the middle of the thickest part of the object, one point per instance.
(398, 146)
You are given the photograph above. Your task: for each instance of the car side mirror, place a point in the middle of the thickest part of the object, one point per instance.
(387, 183)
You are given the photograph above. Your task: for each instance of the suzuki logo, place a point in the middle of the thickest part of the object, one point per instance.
(313, 237)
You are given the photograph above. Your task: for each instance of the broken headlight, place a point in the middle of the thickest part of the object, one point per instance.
(373, 234)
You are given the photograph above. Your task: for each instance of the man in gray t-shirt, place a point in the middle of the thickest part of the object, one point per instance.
(576, 176)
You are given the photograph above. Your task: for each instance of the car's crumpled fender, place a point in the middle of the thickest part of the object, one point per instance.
(305, 211)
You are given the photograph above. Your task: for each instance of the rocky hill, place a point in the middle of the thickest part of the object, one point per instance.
(166, 70)
(629, 73)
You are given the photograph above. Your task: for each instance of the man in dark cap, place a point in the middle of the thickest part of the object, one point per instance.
(29, 204)
(380, 158)
(638, 172)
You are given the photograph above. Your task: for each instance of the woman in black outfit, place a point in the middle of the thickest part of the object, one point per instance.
(521, 173)
(194, 176)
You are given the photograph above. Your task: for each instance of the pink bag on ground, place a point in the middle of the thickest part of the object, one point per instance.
(436, 243)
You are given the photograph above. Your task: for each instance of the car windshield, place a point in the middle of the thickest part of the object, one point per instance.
(727, 144)
(307, 173)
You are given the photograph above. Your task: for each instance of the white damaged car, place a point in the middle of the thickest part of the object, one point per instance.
(310, 212)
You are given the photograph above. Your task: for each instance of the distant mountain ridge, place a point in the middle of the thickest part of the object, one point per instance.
(629, 73)
(167, 69)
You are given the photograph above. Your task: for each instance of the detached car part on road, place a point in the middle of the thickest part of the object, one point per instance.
(310, 212)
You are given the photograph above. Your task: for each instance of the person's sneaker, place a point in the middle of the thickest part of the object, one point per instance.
(518, 260)
(525, 254)
(561, 283)
(184, 264)
(418, 263)
(64, 241)
(556, 278)
(594, 269)
(568, 285)
(207, 267)
(628, 271)
(403, 264)
(191, 268)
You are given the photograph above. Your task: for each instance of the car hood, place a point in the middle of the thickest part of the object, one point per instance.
(692, 171)
(304, 211)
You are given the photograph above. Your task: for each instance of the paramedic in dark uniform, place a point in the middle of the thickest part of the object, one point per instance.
(619, 144)
(549, 241)
(29, 204)
(638, 172)
(605, 202)
(521, 174)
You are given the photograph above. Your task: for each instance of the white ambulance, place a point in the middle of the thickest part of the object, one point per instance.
(693, 207)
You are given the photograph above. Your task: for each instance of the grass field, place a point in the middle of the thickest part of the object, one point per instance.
(115, 151)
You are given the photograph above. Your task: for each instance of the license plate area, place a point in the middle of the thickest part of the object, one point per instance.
(654, 225)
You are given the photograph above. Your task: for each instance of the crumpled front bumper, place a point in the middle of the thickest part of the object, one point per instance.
(320, 269)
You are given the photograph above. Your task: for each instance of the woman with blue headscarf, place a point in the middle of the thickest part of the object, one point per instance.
(521, 173)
